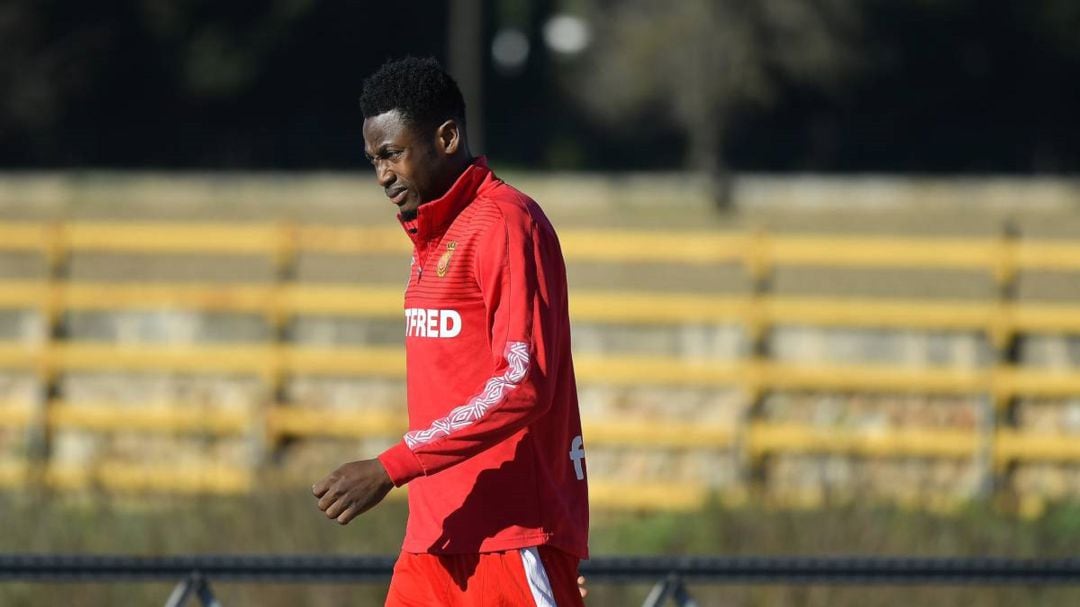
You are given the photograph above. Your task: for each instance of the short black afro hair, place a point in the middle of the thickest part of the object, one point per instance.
(425, 95)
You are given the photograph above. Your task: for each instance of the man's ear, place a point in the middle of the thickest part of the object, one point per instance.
(448, 137)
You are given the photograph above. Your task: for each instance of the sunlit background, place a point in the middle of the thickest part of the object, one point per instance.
(823, 261)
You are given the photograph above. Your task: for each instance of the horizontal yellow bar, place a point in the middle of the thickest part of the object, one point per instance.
(30, 294)
(108, 296)
(236, 238)
(21, 356)
(586, 306)
(657, 308)
(13, 473)
(352, 240)
(704, 248)
(174, 418)
(872, 378)
(15, 415)
(250, 359)
(1029, 446)
(1036, 382)
(24, 236)
(1048, 255)
(125, 477)
(764, 437)
(646, 496)
(344, 300)
(887, 252)
(633, 370)
(367, 361)
(230, 297)
(893, 314)
(786, 438)
(95, 356)
(259, 359)
(695, 247)
(269, 360)
(1045, 318)
(657, 433)
(294, 421)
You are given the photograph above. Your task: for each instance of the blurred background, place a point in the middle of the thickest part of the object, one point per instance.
(823, 255)
(941, 86)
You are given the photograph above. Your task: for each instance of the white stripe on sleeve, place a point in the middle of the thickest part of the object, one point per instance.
(495, 391)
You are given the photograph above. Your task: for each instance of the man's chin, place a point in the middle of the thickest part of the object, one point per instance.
(408, 215)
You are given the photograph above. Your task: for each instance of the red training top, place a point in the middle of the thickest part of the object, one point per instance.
(494, 455)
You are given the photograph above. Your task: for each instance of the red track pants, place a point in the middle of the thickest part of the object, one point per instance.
(541, 576)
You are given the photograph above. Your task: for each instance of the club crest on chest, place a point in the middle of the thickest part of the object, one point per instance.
(444, 261)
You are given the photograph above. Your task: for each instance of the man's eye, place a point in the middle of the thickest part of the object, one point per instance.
(385, 155)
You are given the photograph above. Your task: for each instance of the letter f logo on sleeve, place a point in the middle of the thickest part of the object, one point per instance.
(577, 455)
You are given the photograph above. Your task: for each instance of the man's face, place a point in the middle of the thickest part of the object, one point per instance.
(407, 163)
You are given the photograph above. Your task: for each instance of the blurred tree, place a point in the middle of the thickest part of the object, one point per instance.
(222, 50)
(696, 61)
(940, 86)
(39, 71)
(75, 76)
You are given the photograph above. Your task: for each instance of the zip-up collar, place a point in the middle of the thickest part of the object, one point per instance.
(434, 218)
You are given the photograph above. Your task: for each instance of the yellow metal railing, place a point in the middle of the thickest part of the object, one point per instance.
(1000, 255)
(609, 307)
(758, 253)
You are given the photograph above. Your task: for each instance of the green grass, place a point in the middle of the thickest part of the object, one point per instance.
(289, 523)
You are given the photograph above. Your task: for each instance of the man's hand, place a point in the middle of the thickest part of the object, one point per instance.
(352, 489)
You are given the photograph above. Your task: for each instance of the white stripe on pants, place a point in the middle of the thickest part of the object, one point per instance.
(537, 578)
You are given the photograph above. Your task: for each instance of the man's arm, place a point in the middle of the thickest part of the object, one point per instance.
(352, 489)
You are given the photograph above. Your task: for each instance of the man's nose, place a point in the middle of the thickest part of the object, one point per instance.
(383, 174)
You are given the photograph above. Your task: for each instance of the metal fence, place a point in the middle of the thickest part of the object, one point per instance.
(669, 574)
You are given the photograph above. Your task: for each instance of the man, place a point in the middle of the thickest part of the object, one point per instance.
(494, 457)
